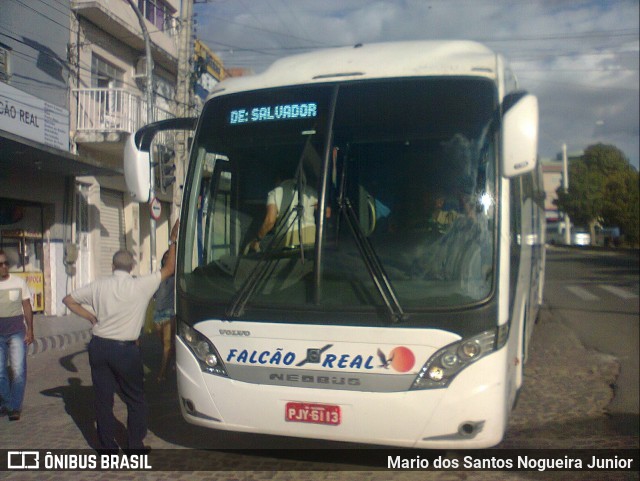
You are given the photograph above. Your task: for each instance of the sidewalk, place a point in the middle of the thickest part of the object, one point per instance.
(58, 332)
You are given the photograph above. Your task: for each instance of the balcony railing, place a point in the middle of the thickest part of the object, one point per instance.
(113, 110)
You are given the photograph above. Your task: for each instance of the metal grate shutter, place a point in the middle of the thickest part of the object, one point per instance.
(111, 228)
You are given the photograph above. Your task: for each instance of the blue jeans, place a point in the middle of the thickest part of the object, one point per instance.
(14, 350)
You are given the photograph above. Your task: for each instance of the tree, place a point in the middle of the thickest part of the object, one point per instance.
(603, 188)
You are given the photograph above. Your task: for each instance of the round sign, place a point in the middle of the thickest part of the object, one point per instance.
(156, 208)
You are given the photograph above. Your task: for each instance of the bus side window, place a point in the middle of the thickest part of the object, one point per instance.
(217, 215)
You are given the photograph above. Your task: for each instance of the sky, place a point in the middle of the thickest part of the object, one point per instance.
(580, 58)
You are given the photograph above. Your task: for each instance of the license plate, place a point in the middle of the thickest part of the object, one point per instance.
(299, 412)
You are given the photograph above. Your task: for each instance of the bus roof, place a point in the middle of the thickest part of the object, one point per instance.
(367, 61)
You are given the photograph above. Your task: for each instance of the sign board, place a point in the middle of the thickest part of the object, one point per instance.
(35, 281)
(30, 117)
(156, 208)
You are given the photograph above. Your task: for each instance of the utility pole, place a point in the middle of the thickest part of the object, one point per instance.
(565, 187)
(183, 101)
(149, 93)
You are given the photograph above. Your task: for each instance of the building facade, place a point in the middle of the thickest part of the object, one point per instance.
(72, 89)
(552, 173)
(552, 180)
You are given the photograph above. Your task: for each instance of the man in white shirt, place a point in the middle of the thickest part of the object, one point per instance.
(16, 332)
(120, 304)
(278, 213)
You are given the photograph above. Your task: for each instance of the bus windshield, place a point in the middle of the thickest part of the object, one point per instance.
(375, 197)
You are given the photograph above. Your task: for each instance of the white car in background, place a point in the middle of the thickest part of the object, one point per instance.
(580, 237)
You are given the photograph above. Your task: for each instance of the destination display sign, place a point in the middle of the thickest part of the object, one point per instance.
(271, 113)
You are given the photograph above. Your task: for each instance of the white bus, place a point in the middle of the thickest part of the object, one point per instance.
(393, 303)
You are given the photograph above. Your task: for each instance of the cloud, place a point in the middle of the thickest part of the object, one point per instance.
(580, 57)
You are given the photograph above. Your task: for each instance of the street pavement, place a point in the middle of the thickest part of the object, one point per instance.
(58, 332)
(563, 405)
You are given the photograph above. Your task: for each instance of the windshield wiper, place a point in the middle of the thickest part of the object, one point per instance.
(262, 268)
(373, 263)
(260, 272)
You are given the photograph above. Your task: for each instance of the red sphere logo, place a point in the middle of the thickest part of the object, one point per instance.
(402, 359)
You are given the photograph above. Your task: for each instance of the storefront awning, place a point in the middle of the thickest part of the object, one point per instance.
(22, 156)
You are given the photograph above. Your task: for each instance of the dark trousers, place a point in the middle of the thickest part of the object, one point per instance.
(118, 364)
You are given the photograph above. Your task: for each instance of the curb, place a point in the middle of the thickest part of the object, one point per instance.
(59, 341)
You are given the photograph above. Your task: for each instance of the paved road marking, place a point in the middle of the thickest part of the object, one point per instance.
(617, 291)
(582, 293)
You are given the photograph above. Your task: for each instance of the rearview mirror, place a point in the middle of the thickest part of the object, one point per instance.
(137, 171)
(137, 160)
(520, 137)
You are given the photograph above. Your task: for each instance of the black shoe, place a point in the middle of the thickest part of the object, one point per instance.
(14, 415)
(3, 411)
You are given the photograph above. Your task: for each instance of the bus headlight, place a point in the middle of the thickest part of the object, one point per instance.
(441, 368)
(436, 373)
(211, 360)
(204, 351)
(449, 360)
(470, 349)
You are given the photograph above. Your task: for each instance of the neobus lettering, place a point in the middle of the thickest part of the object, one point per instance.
(264, 357)
(307, 378)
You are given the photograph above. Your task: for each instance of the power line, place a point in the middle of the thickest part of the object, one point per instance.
(275, 51)
(251, 13)
(80, 66)
(516, 58)
(576, 84)
(319, 44)
(631, 31)
(64, 4)
(42, 14)
(66, 13)
(611, 70)
(29, 81)
(67, 27)
(566, 36)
